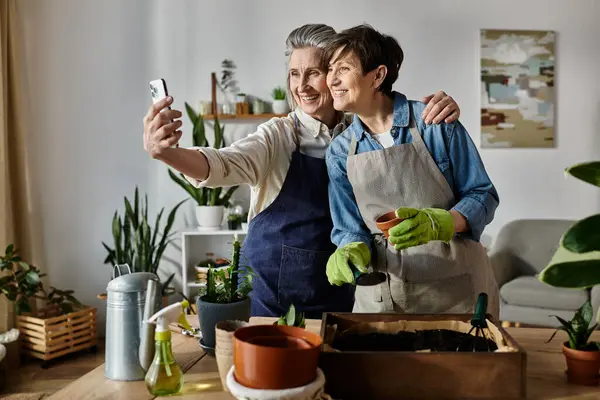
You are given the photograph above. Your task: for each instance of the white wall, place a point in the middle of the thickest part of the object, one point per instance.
(90, 63)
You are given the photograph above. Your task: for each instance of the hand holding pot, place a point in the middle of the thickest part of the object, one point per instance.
(421, 226)
(339, 271)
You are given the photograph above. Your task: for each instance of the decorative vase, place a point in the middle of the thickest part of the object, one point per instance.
(258, 107)
(209, 314)
(210, 217)
(280, 107)
(582, 366)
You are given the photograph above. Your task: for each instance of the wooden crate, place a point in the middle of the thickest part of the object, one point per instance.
(47, 337)
(414, 375)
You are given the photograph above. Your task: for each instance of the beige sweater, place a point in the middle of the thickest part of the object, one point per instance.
(262, 158)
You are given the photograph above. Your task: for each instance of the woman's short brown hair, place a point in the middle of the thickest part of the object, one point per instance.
(372, 48)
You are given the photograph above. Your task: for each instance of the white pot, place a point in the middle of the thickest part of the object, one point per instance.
(280, 107)
(210, 216)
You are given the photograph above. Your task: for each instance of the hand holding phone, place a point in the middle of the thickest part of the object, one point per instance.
(158, 91)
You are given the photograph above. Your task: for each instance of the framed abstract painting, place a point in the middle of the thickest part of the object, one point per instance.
(517, 88)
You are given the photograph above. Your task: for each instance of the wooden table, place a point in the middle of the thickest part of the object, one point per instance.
(545, 371)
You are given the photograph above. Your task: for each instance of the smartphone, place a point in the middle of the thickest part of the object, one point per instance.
(158, 91)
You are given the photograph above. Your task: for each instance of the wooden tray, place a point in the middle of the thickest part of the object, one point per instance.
(415, 375)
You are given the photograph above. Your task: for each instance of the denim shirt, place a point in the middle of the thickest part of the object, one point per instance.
(452, 150)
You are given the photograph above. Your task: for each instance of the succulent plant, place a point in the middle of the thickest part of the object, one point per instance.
(292, 318)
(224, 285)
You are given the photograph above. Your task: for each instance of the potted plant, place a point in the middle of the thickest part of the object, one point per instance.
(292, 318)
(234, 221)
(582, 355)
(62, 326)
(245, 221)
(137, 243)
(225, 296)
(210, 202)
(280, 105)
(576, 264)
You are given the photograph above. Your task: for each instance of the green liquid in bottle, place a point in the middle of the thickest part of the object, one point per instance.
(164, 377)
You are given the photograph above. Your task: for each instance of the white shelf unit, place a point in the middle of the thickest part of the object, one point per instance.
(194, 246)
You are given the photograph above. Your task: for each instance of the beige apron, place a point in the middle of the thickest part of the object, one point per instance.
(431, 278)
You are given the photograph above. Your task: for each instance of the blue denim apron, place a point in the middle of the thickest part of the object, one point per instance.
(288, 245)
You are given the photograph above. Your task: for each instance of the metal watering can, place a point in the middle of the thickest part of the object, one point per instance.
(132, 299)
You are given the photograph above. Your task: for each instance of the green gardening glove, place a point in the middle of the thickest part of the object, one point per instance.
(338, 269)
(421, 226)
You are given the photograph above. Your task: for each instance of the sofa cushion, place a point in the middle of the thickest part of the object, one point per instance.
(528, 291)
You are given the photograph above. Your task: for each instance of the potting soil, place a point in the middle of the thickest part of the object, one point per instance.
(435, 340)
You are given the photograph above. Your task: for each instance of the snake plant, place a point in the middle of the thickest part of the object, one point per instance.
(204, 196)
(137, 243)
(579, 328)
(576, 262)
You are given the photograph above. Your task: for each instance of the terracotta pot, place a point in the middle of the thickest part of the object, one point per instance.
(275, 357)
(582, 366)
(387, 221)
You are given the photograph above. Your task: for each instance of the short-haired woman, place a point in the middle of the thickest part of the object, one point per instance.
(431, 175)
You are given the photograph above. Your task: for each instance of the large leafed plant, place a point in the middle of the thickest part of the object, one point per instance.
(576, 262)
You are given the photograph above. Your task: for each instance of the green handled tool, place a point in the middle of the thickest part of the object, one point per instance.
(479, 322)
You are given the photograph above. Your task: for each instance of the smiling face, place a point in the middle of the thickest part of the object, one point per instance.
(308, 82)
(351, 89)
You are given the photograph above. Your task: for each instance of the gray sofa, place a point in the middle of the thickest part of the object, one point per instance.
(521, 250)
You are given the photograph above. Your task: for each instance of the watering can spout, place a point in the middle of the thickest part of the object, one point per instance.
(151, 306)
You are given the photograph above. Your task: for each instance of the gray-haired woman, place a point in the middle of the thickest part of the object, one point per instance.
(288, 241)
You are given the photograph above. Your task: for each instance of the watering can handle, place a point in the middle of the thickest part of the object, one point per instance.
(117, 267)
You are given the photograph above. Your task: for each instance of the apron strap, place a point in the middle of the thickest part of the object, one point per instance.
(353, 143)
(296, 137)
(414, 131)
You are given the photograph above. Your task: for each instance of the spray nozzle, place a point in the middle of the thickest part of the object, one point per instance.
(171, 313)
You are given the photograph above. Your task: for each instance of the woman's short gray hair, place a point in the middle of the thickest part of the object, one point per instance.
(309, 35)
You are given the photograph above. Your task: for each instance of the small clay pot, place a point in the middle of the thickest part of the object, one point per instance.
(583, 366)
(275, 357)
(387, 221)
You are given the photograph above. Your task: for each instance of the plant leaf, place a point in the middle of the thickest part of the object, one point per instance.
(32, 278)
(188, 187)
(191, 113)
(291, 315)
(588, 172)
(583, 236)
(572, 270)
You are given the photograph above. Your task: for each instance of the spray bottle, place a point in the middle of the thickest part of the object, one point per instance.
(164, 376)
